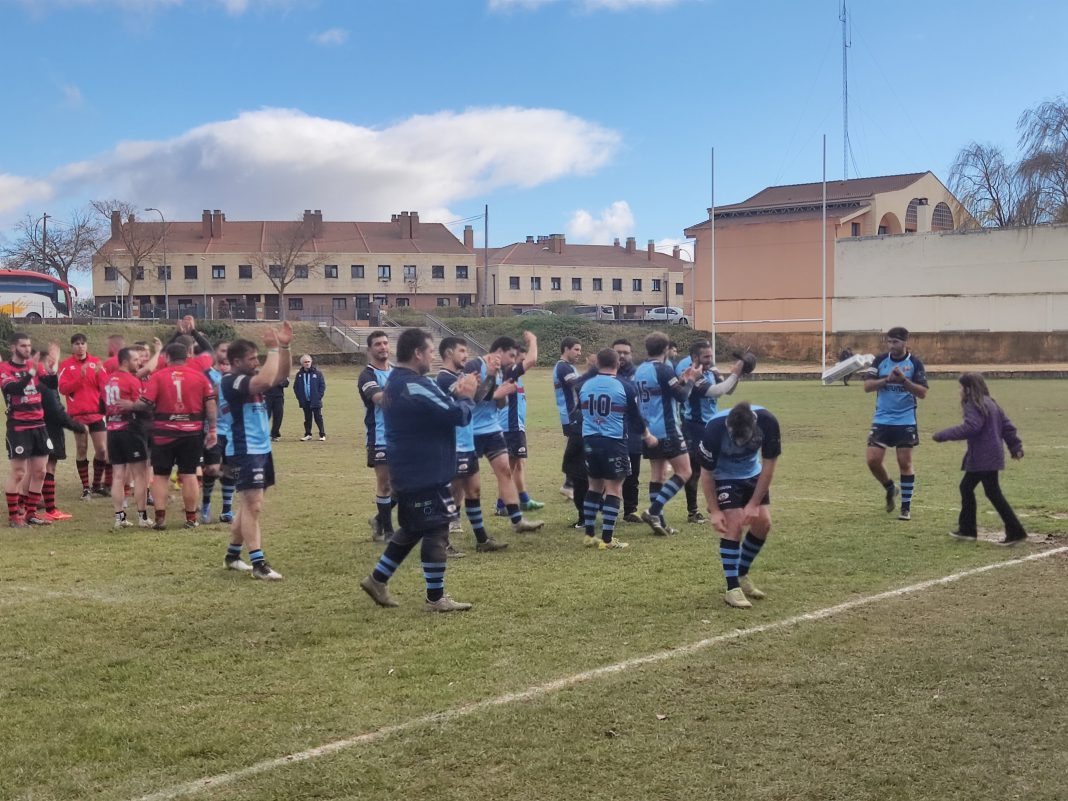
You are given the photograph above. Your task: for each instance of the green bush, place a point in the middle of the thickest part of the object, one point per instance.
(7, 328)
(217, 331)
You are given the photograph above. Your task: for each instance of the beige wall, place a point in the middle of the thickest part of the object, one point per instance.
(991, 280)
(525, 296)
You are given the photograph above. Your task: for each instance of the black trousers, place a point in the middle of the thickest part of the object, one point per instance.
(631, 490)
(316, 413)
(275, 409)
(992, 487)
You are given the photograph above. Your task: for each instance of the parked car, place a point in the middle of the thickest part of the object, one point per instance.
(667, 314)
(534, 312)
(595, 312)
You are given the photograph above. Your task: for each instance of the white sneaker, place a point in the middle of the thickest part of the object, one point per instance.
(266, 572)
(322, 438)
(124, 523)
(237, 563)
(305, 438)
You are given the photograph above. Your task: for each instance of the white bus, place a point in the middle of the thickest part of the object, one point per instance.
(34, 296)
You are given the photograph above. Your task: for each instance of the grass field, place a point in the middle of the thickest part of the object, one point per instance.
(132, 663)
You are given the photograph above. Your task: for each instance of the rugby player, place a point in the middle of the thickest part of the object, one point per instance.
(739, 449)
(625, 373)
(214, 457)
(899, 379)
(566, 381)
(127, 443)
(57, 421)
(513, 419)
(371, 383)
(116, 342)
(81, 379)
(421, 423)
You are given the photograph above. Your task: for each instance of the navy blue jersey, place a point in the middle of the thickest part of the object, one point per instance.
(250, 431)
(372, 381)
(609, 408)
(421, 425)
(634, 433)
(513, 415)
(565, 375)
(465, 435)
(725, 459)
(658, 391)
(895, 405)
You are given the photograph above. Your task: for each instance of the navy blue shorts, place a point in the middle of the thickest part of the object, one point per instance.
(517, 444)
(666, 448)
(735, 493)
(376, 455)
(490, 445)
(466, 464)
(426, 509)
(885, 436)
(252, 471)
(606, 458)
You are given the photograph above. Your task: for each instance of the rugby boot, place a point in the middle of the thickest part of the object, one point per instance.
(736, 598)
(525, 526)
(490, 545)
(379, 592)
(750, 589)
(891, 494)
(446, 604)
(612, 545)
(654, 523)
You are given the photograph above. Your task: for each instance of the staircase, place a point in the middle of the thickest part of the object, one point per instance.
(353, 339)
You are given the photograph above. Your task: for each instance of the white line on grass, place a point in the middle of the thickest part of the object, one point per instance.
(33, 594)
(548, 688)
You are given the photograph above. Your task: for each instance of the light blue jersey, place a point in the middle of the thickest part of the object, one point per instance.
(895, 405)
(609, 407)
(372, 381)
(223, 418)
(250, 431)
(484, 420)
(658, 390)
(727, 460)
(465, 435)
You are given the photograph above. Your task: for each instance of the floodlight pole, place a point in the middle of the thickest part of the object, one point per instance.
(712, 222)
(823, 264)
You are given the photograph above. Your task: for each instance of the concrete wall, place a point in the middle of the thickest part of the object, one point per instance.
(988, 280)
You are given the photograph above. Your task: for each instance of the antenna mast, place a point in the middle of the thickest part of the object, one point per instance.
(843, 16)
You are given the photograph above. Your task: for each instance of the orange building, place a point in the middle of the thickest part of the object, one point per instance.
(768, 249)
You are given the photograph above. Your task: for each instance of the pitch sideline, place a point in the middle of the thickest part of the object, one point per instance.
(540, 690)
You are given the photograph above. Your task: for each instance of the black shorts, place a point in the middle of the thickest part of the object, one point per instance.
(606, 458)
(517, 444)
(667, 448)
(376, 455)
(884, 436)
(466, 464)
(99, 425)
(185, 452)
(29, 443)
(490, 445)
(213, 455)
(127, 446)
(252, 471)
(58, 435)
(735, 493)
(425, 510)
(574, 464)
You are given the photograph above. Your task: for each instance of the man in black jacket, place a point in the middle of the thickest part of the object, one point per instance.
(56, 420)
(275, 399)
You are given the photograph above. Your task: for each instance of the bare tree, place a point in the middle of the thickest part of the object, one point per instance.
(289, 254)
(990, 189)
(133, 246)
(56, 249)
(1044, 143)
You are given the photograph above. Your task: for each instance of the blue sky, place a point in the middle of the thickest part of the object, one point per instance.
(592, 118)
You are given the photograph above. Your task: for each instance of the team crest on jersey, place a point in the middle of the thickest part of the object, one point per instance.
(19, 449)
(723, 496)
(48, 443)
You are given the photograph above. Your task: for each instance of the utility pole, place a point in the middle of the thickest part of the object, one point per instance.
(843, 16)
(485, 258)
(44, 241)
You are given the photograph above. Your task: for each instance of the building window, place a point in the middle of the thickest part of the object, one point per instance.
(554, 283)
(300, 271)
(341, 303)
(576, 284)
(402, 302)
(883, 230)
(356, 271)
(942, 218)
(275, 271)
(617, 284)
(163, 273)
(461, 271)
(679, 290)
(218, 271)
(513, 282)
(854, 229)
(410, 272)
(139, 273)
(636, 284)
(384, 272)
(444, 302)
(437, 271)
(330, 271)
(111, 274)
(381, 300)
(598, 284)
(535, 282)
(296, 304)
(244, 271)
(190, 272)
(656, 284)
(463, 301)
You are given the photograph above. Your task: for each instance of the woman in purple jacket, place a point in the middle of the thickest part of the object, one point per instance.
(985, 426)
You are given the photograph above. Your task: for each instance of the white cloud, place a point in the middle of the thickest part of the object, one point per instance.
(615, 221)
(331, 36)
(585, 5)
(233, 7)
(270, 164)
(17, 192)
(667, 244)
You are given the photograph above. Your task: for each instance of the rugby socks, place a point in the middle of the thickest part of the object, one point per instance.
(473, 508)
(161, 516)
(750, 548)
(190, 517)
(98, 471)
(729, 554)
(256, 557)
(209, 487)
(691, 493)
(590, 509)
(233, 551)
(609, 512)
(385, 517)
(12, 505)
(667, 492)
(32, 501)
(390, 560)
(908, 486)
(83, 472)
(227, 485)
(48, 492)
(513, 512)
(524, 498)
(580, 486)
(434, 573)
(500, 505)
(654, 491)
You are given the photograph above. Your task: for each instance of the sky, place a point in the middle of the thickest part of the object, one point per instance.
(591, 118)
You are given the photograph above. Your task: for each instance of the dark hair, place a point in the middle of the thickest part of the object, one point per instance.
(124, 354)
(139, 344)
(673, 344)
(622, 342)
(975, 392)
(567, 343)
(176, 352)
(18, 336)
(376, 335)
(503, 343)
(699, 345)
(240, 349)
(189, 342)
(74, 340)
(741, 422)
(656, 343)
(410, 342)
(898, 332)
(449, 343)
(607, 358)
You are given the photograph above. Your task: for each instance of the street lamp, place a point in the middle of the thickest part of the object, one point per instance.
(166, 290)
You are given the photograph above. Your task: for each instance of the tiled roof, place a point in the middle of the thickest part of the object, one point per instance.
(611, 256)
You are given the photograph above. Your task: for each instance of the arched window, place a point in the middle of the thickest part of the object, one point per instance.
(942, 218)
(910, 217)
